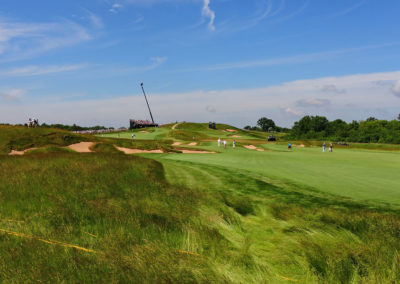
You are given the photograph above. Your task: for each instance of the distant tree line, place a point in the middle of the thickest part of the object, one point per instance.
(74, 127)
(371, 130)
(266, 125)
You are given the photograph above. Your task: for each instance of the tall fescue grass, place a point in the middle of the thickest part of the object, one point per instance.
(21, 138)
(119, 206)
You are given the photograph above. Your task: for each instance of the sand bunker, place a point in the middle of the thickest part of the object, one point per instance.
(196, 152)
(177, 143)
(252, 147)
(82, 147)
(137, 151)
(143, 131)
(231, 130)
(236, 136)
(300, 146)
(192, 144)
(19, 153)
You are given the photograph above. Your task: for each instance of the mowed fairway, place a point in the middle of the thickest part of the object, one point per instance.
(358, 174)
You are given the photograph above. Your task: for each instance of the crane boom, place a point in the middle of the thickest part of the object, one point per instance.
(144, 93)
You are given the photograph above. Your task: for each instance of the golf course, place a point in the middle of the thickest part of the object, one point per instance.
(185, 209)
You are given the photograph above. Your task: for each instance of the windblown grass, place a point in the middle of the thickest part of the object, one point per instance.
(21, 138)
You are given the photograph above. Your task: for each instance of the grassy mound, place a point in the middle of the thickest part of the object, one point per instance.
(21, 138)
(117, 206)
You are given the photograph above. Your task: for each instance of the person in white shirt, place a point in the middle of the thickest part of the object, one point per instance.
(219, 142)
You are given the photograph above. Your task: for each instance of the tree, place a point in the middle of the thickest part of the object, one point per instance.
(398, 117)
(371, 119)
(266, 123)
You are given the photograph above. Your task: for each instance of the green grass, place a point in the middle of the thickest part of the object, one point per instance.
(141, 134)
(21, 138)
(239, 216)
(117, 205)
(357, 174)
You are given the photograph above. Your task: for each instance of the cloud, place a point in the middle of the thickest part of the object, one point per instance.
(313, 103)
(12, 94)
(289, 60)
(211, 109)
(292, 112)
(115, 8)
(39, 70)
(332, 89)
(396, 89)
(384, 83)
(155, 63)
(279, 102)
(96, 21)
(208, 13)
(21, 40)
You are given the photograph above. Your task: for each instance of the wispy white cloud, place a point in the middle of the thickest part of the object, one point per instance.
(349, 9)
(39, 70)
(117, 71)
(95, 20)
(208, 13)
(116, 7)
(295, 59)
(20, 40)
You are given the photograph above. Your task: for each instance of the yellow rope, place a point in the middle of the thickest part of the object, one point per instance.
(90, 234)
(51, 242)
(188, 252)
(288, 279)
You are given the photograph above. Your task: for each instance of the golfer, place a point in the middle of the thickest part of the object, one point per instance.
(330, 147)
(219, 142)
(234, 144)
(323, 147)
(224, 144)
(289, 146)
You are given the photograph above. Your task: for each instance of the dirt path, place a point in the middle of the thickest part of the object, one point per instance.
(177, 143)
(192, 144)
(137, 151)
(82, 147)
(175, 125)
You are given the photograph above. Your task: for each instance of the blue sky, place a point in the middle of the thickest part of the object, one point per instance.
(225, 60)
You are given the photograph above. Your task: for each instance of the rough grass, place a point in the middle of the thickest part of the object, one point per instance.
(21, 138)
(283, 233)
(238, 217)
(116, 205)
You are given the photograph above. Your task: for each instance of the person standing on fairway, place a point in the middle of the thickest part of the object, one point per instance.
(224, 144)
(323, 147)
(330, 147)
(219, 142)
(234, 144)
(289, 146)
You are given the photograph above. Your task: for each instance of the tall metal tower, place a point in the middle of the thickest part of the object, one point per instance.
(144, 93)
